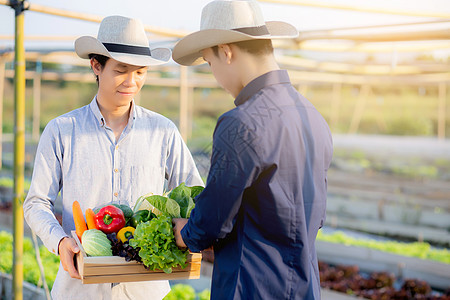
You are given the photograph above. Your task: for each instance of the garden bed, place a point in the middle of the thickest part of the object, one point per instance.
(436, 274)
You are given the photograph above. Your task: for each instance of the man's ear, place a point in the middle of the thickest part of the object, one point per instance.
(227, 52)
(96, 66)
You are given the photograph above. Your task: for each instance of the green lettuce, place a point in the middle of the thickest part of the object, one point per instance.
(156, 241)
(177, 203)
(165, 205)
(184, 196)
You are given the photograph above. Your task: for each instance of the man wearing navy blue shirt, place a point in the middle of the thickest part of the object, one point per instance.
(265, 196)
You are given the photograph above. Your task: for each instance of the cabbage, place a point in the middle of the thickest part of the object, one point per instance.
(96, 243)
(177, 204)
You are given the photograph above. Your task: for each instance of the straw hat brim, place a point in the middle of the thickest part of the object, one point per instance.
(187, 51)
(86, 45)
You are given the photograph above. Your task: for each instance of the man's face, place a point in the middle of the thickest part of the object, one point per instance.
(222, 71)
(119, 82)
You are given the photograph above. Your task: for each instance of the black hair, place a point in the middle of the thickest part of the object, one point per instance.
(255, 47)
(101, 60)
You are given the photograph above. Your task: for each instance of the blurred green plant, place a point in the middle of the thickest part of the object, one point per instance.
(186, 292)
(417, 249)
(410, 126)
(31, 271)
(8, 182)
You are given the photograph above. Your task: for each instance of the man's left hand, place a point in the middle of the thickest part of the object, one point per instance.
(178, 225)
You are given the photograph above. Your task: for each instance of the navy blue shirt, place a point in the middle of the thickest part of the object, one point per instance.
(265, 195)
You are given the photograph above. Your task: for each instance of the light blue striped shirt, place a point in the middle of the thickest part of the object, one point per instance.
(78, 156)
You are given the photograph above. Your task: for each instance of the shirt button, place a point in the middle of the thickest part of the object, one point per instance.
(115, 170)
(117, 147)
(116, 194)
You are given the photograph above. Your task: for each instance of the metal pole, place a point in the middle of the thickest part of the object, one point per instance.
(335, 106)
(359, 109)
(19, 147)
(2, 86)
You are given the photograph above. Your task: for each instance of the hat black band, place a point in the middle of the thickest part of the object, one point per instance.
(260, 30)
(120, 48)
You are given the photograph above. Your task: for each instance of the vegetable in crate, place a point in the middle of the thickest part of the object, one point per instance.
(90, 221)
(125, 234)
(109, 219)
(127, 211)
(178, 204)
(141, 216)
(78, 219)
(123, 249)
(158, 248)
(96, 243)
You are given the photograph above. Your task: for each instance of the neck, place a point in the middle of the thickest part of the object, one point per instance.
(116, 117)
(254, 66)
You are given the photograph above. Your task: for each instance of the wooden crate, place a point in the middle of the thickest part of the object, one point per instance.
(109, 269)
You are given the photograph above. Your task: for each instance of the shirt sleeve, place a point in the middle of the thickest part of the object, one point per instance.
(45, 185)
(180, 166)
(234, 166)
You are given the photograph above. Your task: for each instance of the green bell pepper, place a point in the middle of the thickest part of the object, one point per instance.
(141, 216)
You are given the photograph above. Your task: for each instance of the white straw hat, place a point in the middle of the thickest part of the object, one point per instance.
(228, 21)
(124, 40)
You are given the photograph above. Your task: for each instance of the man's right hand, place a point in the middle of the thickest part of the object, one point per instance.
(67, 250)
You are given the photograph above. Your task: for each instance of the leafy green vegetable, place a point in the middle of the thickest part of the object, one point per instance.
(157, 243)
(165, 205)
(180, 192)
(195, 191)
(184, 196)
(178, 203)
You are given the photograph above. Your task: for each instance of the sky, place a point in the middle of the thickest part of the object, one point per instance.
(185, 15)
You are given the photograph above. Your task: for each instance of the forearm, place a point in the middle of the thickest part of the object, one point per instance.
(39, 215)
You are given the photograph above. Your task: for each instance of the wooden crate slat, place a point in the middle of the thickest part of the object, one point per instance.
(111, 269)
(140, 277)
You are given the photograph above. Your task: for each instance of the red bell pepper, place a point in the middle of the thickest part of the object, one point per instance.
(110, 219)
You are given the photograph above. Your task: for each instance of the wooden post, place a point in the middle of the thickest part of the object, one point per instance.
(190, 118)
(2, 88)
(184, 91)
(335, 105)
(441, 110)
(359, 109)
(36, 102)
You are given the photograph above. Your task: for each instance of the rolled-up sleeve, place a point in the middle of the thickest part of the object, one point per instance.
(39, 203)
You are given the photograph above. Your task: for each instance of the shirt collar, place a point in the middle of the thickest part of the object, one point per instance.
(96, 110)
(257, 84)
(99, 117)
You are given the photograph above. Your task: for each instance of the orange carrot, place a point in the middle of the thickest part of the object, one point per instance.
(90, 219)
(78, 219)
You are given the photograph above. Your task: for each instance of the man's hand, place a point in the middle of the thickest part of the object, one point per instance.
(178, 224)
(67, 250)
